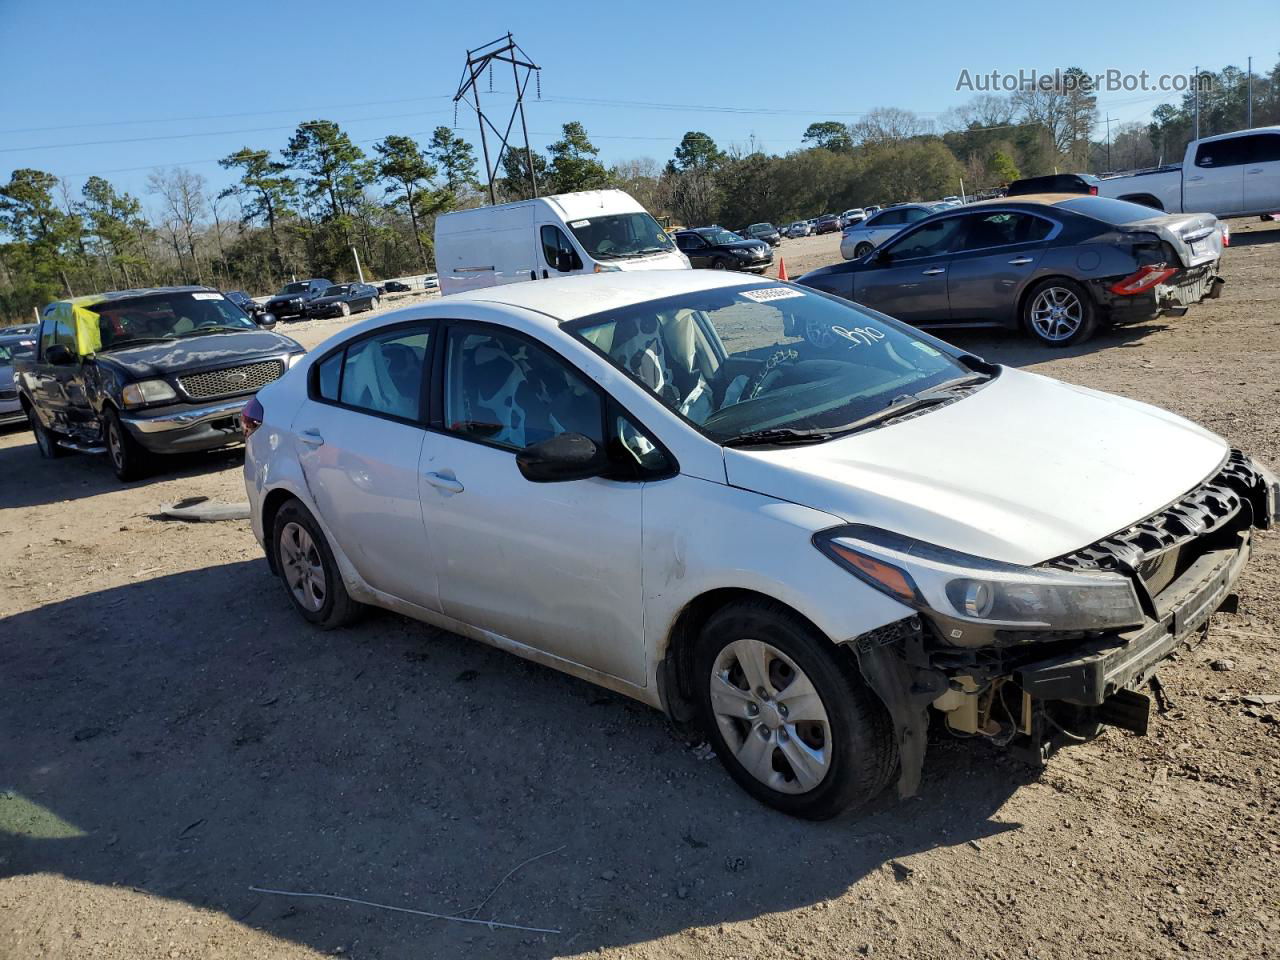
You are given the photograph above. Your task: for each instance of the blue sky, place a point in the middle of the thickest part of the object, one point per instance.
(207, 79)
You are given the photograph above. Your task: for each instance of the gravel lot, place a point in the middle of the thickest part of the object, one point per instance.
(172, 734)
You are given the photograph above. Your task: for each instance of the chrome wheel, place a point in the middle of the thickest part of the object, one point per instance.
(302, 566)
(115, 445)
(771, 716)
(373, 304)
(344, 309)
(818, 334)
(1056, 314)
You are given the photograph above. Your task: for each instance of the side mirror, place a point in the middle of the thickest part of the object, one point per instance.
(566, 456)
(879, 255)
(564, 261)
(265, 319)
(59, 355)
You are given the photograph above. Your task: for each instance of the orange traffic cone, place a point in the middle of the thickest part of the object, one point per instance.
(782, 269)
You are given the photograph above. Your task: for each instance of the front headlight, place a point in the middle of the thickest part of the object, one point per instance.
(739, 252)
(963, 589)
(147, 391)
(607, 268)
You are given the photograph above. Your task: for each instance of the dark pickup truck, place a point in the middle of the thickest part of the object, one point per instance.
(136, 373)
(294, 299)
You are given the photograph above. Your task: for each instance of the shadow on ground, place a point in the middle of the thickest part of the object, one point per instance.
(194, 738)
(78, 475)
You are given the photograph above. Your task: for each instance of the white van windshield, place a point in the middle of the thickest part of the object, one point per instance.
(734, 363)
(620, 236)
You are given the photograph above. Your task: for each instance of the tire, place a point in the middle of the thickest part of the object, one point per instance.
(45, 441)
(129, 460)
(1059, 312)
(308, 570)
(861, 250)
(373, 304)
(836, 759)
(720, 263)
(344, 309)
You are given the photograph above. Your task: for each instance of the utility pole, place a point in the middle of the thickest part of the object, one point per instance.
(359, 271)
(1108, 121)
(1249, 97)
(506, 50)
(1197, 96)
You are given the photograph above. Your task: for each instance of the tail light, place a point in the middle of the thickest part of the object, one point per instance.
(1093, 191)
(251, 418)
(1152, 275)
(1226, 235)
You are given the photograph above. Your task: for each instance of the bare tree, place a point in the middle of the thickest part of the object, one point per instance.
(888, 124)
(183, 196)
(984, 112)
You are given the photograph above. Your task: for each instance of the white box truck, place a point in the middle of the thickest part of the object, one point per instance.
(595, 231)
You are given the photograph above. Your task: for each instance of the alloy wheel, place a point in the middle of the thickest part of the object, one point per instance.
(344, 309)
(303, 567)
(115, 445)
(1056, 314)
(771, 716)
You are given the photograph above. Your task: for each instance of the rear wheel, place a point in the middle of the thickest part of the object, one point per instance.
(720, 263)
(790, 716)
(861, 250)
(128, 459)
(309, 571)
(1059, 312)
(45, 441)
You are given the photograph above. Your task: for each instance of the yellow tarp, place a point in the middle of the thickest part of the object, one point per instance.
(77, 316)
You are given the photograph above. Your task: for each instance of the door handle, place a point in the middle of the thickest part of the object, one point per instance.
(1255, 170)
(311, 437)
(1020, 261)
(934, 271)
(1195, 178)
(452, 484)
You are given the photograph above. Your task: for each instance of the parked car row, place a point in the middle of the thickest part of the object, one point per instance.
(716, 248)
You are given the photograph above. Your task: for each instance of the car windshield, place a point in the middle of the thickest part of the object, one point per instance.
(15, 348)
(733, 362)
(334, 292)
(720, 236)
(300, 287)
(761, 228)
(620, 235)
(168, 316)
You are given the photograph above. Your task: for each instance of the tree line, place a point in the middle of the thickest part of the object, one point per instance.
(311, 207)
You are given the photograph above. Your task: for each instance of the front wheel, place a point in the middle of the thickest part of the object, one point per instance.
(307, 567)
(789, 715)
(45, 442)
(373, 304)
(128, 459)
(344, 309)
(1059, 313)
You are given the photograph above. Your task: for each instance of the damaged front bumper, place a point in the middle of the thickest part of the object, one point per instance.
(1035, 693)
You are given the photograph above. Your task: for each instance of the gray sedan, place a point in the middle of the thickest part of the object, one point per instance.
(1056, 265)
(859, 239)
(12, 345)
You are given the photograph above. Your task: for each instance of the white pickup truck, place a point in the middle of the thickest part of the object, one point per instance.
(1230, 175)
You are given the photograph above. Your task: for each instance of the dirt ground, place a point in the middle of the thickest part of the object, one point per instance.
(171, 734)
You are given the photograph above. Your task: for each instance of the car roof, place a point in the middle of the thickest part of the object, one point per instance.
(1047, 199)
(569, 298)
(111, 295)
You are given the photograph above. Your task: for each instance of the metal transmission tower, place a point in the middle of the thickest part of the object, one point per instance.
(522, 69)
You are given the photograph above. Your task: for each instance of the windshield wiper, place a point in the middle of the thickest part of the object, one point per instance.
(201, 331)
(133, 341)
(943, 393)
(777, 435)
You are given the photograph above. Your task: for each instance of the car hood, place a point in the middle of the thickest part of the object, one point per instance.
(286, 297)
(148, 360)
(326, 301)
(668, 260)
(1024, 470)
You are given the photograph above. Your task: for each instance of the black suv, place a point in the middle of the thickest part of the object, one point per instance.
(717, 248)
(140, 372)
(292, 301)
(764, 231)
(1054, 183)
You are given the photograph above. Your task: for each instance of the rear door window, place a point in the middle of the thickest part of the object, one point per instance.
(382, 374)
(1223, 153)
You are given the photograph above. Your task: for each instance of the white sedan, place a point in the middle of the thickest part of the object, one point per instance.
(653, 482)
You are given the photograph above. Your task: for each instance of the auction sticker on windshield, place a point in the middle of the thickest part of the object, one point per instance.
(206, 296)
(765, 294)
(579, 223)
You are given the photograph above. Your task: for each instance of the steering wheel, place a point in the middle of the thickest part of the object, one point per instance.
(764, 378)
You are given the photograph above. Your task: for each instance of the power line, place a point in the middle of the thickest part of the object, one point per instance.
(221, 116)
